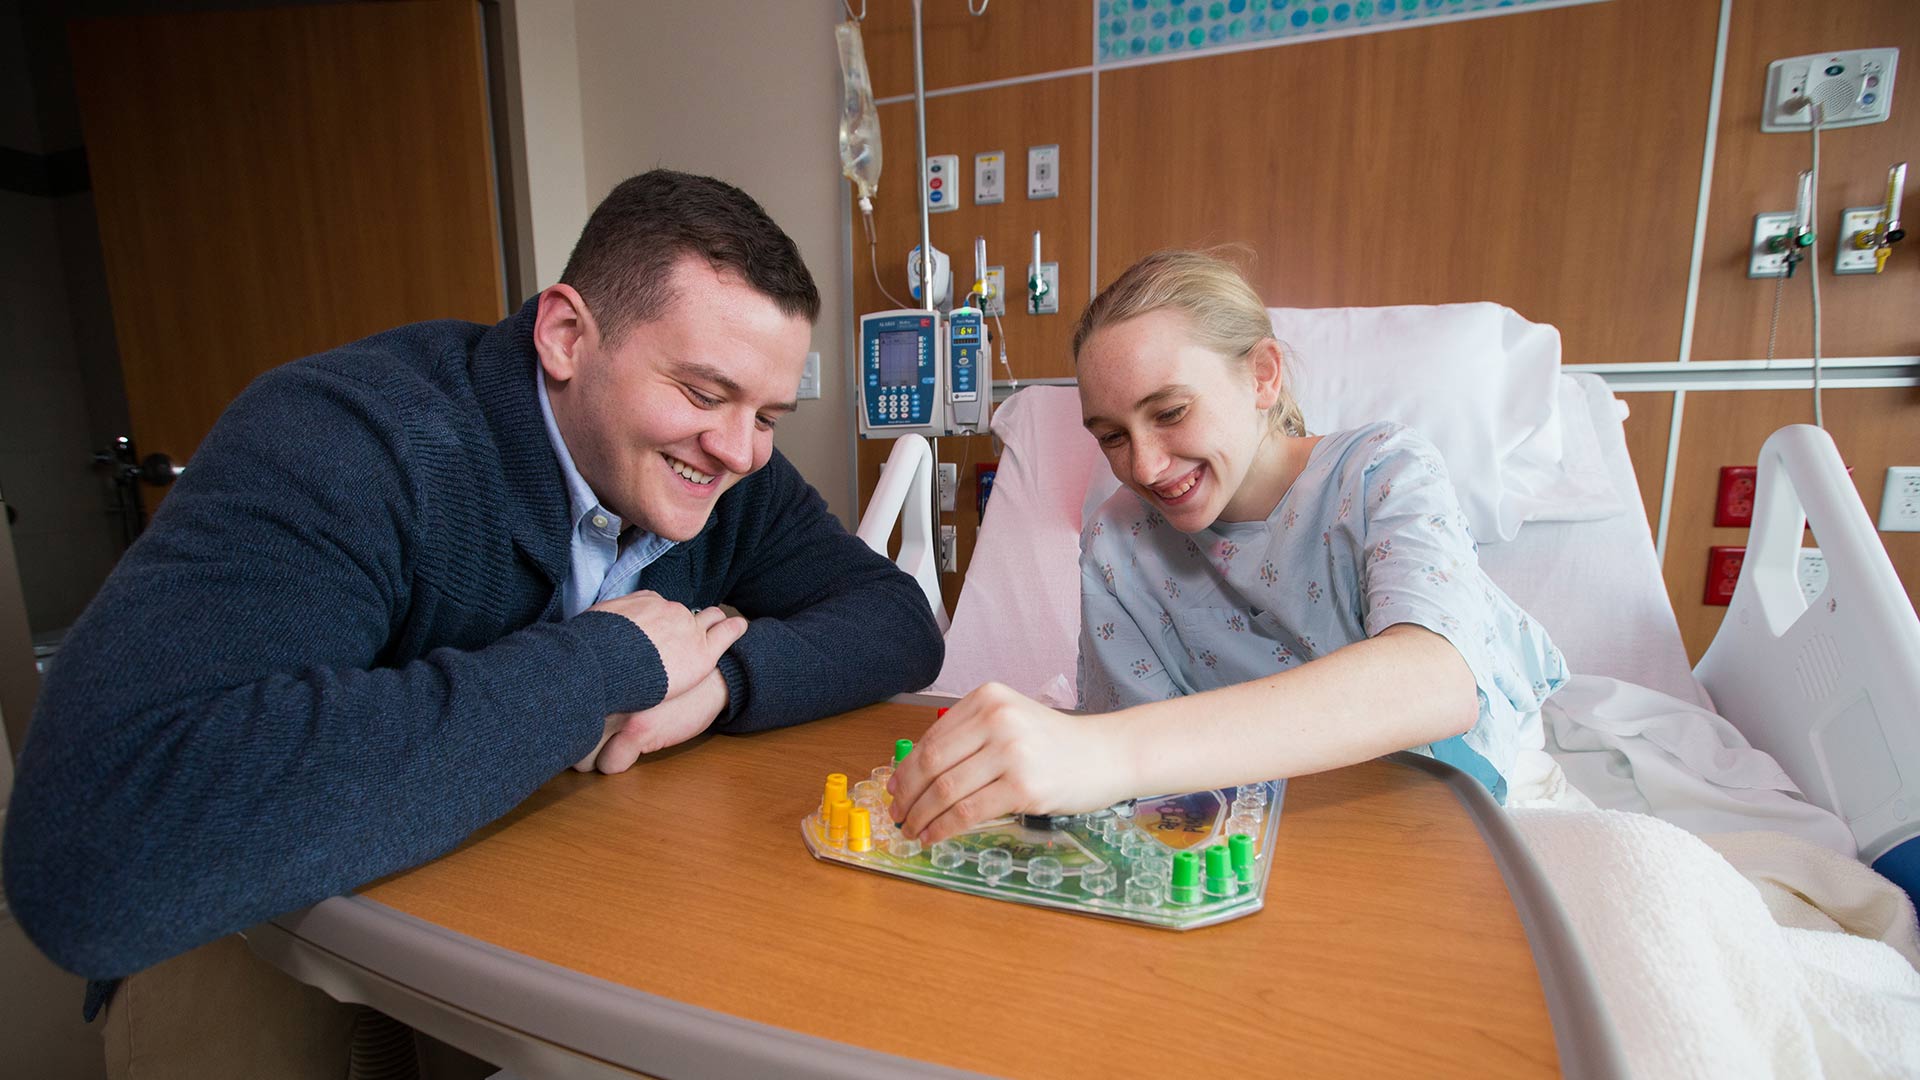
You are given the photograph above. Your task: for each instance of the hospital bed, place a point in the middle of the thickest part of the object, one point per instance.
(1829, 688)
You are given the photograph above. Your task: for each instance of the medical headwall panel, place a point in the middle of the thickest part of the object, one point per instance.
(1549, 163)
(1754, 171)
(1014, 38)
(1052, 112)
(1873, 428)
(1137, 29)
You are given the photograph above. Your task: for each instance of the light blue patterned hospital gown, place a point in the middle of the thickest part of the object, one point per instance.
(1371, 534)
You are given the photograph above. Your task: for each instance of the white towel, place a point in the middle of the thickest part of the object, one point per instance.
(1699, 980)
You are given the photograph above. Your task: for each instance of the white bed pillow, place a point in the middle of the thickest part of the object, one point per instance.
(1476, 379)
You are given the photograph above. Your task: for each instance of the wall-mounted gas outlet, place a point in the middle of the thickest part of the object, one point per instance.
(948, 477)
(949, 550)
(1900, 501)
(996, 303)
(1723, 573)
(1733, 507)
(943, 183)
(1763, 261)
(1050, 300)
(1813, 574)
(1848, 256)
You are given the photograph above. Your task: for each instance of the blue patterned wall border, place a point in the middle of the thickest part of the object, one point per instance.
(1145, 29)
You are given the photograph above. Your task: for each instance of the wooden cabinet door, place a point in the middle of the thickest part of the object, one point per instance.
(274, 183)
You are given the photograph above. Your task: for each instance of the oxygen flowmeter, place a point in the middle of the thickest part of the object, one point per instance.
(924, 373)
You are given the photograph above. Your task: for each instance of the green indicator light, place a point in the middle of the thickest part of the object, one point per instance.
(901, 748)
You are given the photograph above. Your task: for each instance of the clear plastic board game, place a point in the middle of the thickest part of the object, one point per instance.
(1174, 861)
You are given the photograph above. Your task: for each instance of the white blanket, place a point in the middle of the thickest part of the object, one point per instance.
(1698, 978)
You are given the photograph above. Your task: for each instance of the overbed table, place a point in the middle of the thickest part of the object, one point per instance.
(669, 922)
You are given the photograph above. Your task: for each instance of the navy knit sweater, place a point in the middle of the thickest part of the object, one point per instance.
(337, 650)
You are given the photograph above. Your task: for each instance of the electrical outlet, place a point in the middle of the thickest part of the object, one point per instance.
(810, 379)
(1043, 172)
(1050, 301)
(1733, 507)
(1900, 501)
(1813, 574)
(948, 476)
(949, 550)
(989, 178)
(1762, 260)
(996, 303)
(1849, 258)
(1723, 573)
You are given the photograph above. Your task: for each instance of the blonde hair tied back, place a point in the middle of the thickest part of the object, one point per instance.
(1224, 311)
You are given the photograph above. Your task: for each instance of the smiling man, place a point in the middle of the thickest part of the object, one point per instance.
(407, 581)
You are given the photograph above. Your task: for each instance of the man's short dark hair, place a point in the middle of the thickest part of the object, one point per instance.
(624, 260)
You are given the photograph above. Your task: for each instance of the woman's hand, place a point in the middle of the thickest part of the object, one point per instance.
(998, 752)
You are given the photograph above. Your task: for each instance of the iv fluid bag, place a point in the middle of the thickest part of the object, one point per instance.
(859, 120)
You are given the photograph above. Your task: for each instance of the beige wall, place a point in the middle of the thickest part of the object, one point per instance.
(743, 90)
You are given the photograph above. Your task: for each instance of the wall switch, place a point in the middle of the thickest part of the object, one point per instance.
(1723, 573)
(996, 302)
(1813, 574)
(1050, 300)
(1762, 260)
(943, 183)
(810, 378)
(989, 178)
(948, 477)
(1900, 501)
(949, 550)
(1847, 258)
(1043, 172)
(1733, 507)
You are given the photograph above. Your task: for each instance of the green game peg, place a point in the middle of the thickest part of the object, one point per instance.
(1186, 877)
(1219, 871)
(1241, 851)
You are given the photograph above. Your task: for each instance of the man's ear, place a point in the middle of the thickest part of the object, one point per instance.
(563, 329)
(1269, 373)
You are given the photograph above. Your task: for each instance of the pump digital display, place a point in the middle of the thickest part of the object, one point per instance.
(900, 359)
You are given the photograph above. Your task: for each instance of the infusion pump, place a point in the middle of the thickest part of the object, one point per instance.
(924, 373)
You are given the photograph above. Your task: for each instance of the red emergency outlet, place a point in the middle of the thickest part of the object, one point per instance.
(1734, 505)
(1723, 573)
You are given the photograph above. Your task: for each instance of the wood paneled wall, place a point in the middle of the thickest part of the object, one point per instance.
(274, 183)
(1549, 161)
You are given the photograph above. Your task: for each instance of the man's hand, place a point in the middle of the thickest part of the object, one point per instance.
(669, 723)
(689, 642)
(998, 752)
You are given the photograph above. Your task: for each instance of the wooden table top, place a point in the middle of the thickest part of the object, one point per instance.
(1388, 943)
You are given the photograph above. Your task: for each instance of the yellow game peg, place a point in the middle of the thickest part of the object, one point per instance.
(836, 789)
(837, 824)
(859, 830)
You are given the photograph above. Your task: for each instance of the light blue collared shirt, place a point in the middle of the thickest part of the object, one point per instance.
(599, 569)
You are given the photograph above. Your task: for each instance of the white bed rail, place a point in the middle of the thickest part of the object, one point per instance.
(905, 494)
(1831, 689)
